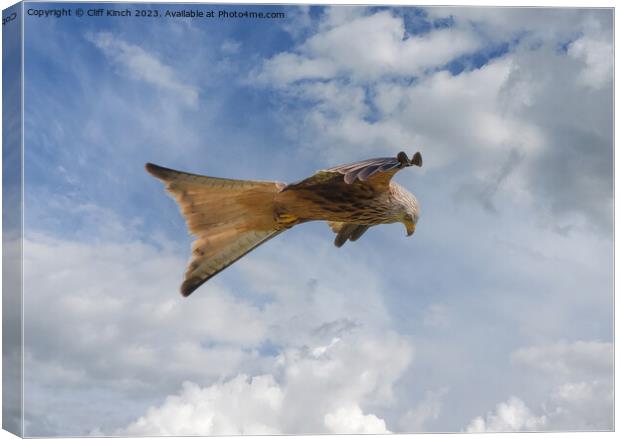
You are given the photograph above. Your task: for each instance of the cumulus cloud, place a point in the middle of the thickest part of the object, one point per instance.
(366, 47)
(139, 64)
(348, 420)
(239, 406)
(582, 374)
(125, 330)
(317, 390)
(595, 51)
(512, 415)
(497, 122)
(583, 405)
(122, 329)
(581, 397)
(529, 23)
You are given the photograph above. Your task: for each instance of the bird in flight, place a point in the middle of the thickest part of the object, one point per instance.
(230, 218)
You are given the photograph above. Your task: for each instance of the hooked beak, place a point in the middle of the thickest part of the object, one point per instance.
(410, 226)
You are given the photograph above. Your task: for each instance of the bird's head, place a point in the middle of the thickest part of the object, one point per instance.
(407, 208)
(411, 215)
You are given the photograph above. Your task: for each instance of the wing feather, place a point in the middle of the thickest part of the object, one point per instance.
(376, 172)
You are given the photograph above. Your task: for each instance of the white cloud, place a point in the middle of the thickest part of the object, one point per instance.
(366, 47)
(581, 405)
(125, 330)
(355, 70)
(109, 317)
(346, 119)
(298, 21)
(142, 65)
(531, 24)
(512, 415)
(316, 390)
(581, 396)
(351, 420)
(239, 406)
(596, 52)
(582, 377)
(341, 112)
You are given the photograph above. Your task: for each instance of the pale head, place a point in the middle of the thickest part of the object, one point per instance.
(405, 207)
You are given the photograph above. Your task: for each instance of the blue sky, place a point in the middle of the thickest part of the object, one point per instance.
(495, 315)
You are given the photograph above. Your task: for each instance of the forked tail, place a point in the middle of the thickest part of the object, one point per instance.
(229, 218)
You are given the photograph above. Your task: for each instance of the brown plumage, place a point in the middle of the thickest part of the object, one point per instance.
(230, 218)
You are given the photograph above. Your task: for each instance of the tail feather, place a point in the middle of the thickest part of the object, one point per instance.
(229, 218)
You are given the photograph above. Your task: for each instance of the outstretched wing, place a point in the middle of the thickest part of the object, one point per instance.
(374, 172)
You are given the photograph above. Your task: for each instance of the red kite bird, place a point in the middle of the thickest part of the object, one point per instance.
(230, 218)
